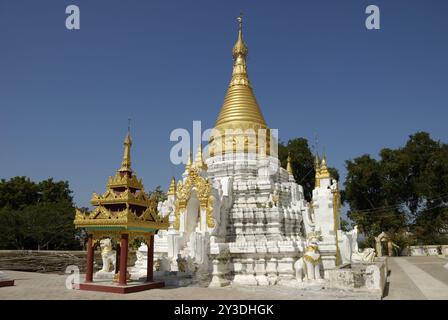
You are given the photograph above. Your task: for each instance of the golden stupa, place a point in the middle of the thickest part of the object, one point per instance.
(240, 110)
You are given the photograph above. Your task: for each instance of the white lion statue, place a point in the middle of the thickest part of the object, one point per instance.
(310, 262)
(108, 255)
(357, 256)
(366, 256)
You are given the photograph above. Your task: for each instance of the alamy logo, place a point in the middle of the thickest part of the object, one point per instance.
(73, 21)
(373, 20)
(73, 280)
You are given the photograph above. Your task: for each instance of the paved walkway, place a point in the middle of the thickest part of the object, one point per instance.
(418, 278)
(31, 285)
(410, 278)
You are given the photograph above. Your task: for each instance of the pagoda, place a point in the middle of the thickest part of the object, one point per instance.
(124, 212)
(236, 216)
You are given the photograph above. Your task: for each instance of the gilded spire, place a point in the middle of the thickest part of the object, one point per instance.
(172, 189)
(199, 160)
(288, 165)
(189, 163)
(324, 173)
(317, 169)
(240, 47)
(240, 109)
(126, 163)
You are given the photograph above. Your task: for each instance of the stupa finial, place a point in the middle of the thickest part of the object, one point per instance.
(126, 163)
(324, 173)
(240, 48)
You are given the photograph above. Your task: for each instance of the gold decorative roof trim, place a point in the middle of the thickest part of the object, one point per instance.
(125, 181)
(109, 197)
(104, 217)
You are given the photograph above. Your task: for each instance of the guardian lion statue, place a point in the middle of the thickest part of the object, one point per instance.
(366, 256)
(309, 265)
(108, 255)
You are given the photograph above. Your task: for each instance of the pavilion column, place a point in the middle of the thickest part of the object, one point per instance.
(150, 260)
(89, 271)
(117, 258)
(123, 259)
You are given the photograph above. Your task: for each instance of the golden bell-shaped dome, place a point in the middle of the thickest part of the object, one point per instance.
(240, 109)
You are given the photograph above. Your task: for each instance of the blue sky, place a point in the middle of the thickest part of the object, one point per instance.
(65, 96)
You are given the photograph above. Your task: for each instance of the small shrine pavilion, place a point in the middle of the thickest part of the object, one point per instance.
(123, 213)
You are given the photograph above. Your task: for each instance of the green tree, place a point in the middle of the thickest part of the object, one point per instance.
(49, 226)
(429, 178)
(302, 164)
(18, 192)
(50, 191)
(364, 192)
(36, 215)
(158, 193)
(406, 190)
(11, 229)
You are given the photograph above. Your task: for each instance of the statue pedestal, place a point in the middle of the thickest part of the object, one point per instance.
(104, 275)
